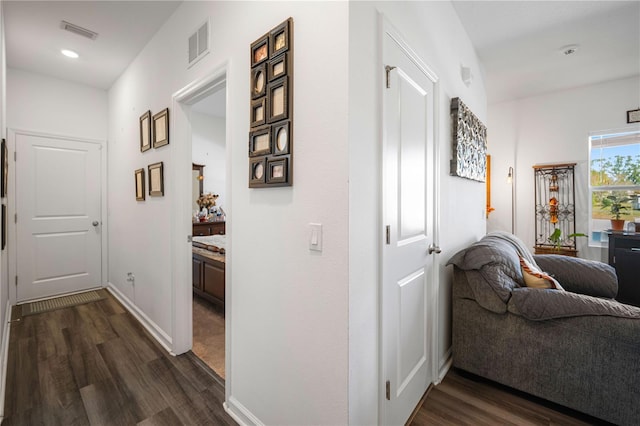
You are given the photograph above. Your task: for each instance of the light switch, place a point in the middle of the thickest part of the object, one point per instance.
(315, 239)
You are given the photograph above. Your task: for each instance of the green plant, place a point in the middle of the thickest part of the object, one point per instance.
(615, 204)
(556, 237)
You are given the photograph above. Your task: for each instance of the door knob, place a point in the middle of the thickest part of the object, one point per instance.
(95, 223)
(434, 249)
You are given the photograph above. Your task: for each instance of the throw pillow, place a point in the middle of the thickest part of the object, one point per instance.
(535, 278)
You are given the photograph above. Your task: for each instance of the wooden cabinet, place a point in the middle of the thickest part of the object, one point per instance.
(209, 276)
(208, 228)
(624, 255)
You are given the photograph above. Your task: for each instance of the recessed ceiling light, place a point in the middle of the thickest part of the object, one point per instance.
(69, 53)
(569, 50)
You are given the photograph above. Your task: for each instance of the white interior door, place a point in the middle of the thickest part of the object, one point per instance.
(408, 206)
(58, 192)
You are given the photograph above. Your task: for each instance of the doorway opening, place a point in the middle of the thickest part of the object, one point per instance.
(208, 221)
(184, 213)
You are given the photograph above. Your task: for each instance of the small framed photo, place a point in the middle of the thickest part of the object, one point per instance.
(279, 38)
(161, 128)
(281, 138)
(260, 50)
(139, 174)
(257, 171)
(258, 81)
(278, 67)
(633, 116)
(145, 131)
(258, 112)
(278, 95)
(277, 171)
(4, 160)
(156, 179)
(260, 141)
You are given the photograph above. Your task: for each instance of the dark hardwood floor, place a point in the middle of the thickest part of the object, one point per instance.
(465, 399)
(95, 364)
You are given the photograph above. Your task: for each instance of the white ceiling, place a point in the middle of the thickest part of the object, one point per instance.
(214, 105)
(518, 43)
(34, 37)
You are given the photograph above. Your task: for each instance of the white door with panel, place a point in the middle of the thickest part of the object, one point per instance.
(408, 214)
(58, 203)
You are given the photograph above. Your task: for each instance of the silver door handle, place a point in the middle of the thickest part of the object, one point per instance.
(434, 249)
(95, 223)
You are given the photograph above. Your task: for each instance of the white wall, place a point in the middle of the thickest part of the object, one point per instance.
(434, 31)
(288, 310)
(209, 149)
(45, 104)
(4, 265)
(552, 128)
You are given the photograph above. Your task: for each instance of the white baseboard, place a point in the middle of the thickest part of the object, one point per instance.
(240, 414)
(4, 355)
(163, 338)
(445, 366)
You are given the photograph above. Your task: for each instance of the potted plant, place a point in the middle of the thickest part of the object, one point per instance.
(556, 237)
(615, 204)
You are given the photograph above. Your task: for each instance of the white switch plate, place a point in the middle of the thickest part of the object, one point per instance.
(315, 237)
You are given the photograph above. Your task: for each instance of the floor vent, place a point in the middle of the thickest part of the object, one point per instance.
(199, 43)
(76, 29)
(60, 302)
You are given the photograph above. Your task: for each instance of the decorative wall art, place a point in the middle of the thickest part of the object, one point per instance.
(139, 175)
(555, 201)
(156, 179)
(4, 226)
(271, 109)
(161, 128)
(633, 116)
(145, 131)
(4, 178)
(469, 143)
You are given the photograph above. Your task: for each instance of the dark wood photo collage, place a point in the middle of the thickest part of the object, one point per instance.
(271, 120)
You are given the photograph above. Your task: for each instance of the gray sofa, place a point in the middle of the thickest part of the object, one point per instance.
(578, 348)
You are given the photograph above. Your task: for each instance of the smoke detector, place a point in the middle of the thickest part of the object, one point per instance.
(570, 49)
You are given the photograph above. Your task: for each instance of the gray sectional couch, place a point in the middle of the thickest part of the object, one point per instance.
(578, 348)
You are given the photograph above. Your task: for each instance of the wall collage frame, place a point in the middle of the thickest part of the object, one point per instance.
(154, 132)
(271, 109)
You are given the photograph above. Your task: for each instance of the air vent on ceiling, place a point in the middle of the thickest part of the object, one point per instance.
(67, 26)
(199, 43)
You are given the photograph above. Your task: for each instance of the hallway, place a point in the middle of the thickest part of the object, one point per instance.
(95, 364)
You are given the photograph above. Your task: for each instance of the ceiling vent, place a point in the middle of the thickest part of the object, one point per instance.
(199, 43)
(67, 26)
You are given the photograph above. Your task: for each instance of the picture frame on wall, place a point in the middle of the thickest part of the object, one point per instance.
(281, 137)
(156, 179)
(277, 171)
(279, 39)
(258, 112)
(258, 81)
(278, 67)
(161, 128)
(278, 94)
(257, 171)
(145, 131)
(260, 50)
(633, 116)
(260, 141)
(139, 175)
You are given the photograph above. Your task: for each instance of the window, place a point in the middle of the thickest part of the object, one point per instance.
(614, 160)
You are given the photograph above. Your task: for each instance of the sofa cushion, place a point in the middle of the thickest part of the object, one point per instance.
(538, 305)
(581, 275)
(535, 278)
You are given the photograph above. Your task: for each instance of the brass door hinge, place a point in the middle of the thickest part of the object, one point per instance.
(388, 69)
(388, 236)
(388, 392)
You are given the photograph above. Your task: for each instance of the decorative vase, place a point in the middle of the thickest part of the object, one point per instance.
(617, 224)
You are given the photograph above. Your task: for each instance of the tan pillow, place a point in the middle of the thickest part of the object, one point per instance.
(535, 278)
